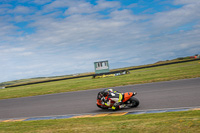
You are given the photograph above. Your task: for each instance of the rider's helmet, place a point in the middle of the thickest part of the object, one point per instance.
(110, 90)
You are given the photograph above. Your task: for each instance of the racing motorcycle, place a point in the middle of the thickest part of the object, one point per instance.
(128, 101)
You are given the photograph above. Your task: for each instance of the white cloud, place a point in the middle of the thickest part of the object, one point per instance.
(81, 7)
(88, 33)
(4, 8)
(6, 29)
(21, 10)
(184, 45)
(41, 2)
(177, 17)
(186, 1)
(58, 4)
(13, 50)
(125, 15)
(26, 53)
(103, 4)
(30, 67)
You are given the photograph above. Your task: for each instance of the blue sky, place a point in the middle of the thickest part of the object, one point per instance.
(60, 37)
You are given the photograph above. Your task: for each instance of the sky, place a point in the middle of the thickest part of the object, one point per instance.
(41, 38)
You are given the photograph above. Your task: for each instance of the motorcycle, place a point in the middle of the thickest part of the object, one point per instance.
(127, 101)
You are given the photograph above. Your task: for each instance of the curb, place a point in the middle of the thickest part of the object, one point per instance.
(98, 115)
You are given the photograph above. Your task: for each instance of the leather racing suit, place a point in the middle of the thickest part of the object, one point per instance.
(113, 96)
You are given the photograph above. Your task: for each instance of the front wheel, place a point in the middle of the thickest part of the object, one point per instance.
(134, 102)
(102, 107)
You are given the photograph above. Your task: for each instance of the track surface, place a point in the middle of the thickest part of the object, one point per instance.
(169, 94)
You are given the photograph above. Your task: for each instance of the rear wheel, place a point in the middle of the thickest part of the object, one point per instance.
(133, 102)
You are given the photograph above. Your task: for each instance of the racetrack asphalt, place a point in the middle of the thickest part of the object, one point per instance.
(158, 95)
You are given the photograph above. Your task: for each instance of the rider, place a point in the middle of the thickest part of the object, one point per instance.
(100, 94)
(110, 95)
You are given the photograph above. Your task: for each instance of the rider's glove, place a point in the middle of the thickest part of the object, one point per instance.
(103, 99)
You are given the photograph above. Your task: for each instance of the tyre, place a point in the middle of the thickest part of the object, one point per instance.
(134, 102)
(102, 107)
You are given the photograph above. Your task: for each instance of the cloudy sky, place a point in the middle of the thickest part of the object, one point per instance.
(59, 37)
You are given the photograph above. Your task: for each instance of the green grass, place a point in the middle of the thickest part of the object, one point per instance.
(39, 79)
(155, 74)
(173, 122)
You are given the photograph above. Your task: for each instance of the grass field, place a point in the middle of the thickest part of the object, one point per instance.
(147, 75)
(184, 122)
(173, 122)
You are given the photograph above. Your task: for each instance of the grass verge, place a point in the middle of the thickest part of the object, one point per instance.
(184, 122)
(147, 75)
